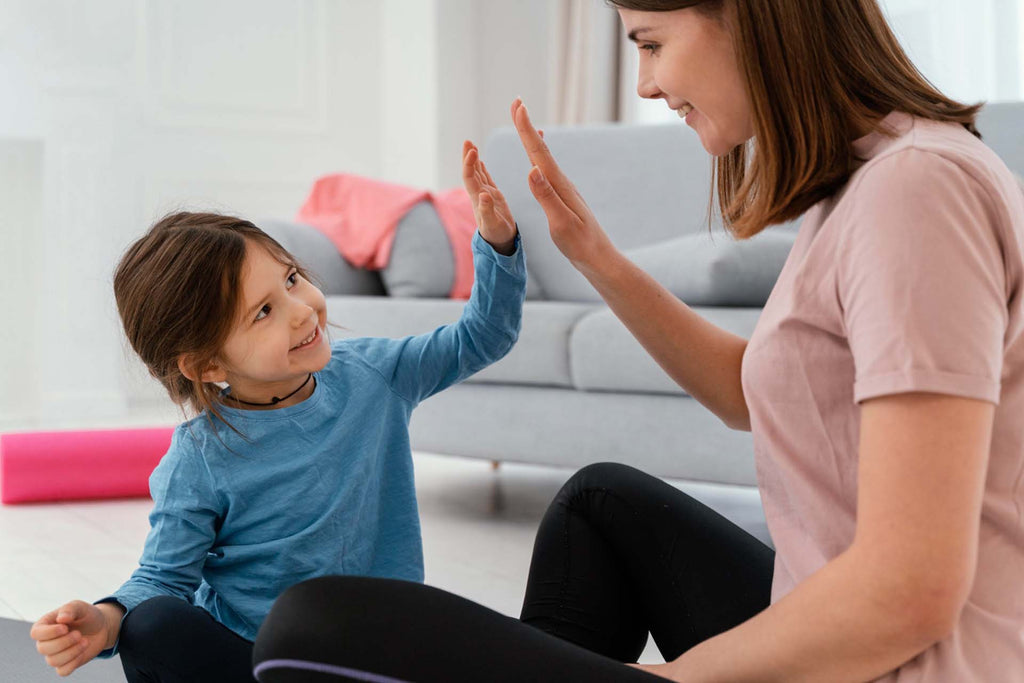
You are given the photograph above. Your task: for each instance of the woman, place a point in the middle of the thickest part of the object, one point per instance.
(884, 385)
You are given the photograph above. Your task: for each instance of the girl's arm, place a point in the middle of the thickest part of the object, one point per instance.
(900, 586)
(420, 366)
(702, 358)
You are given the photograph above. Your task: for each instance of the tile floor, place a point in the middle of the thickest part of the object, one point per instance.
(478, 529)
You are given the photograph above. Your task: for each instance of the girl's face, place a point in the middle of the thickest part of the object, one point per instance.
(688, 60)
(279, 337)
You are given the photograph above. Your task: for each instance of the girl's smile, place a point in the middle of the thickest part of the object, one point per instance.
(279, 339)
(308, 341)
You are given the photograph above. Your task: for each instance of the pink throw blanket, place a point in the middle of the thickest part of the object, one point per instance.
(360, 215)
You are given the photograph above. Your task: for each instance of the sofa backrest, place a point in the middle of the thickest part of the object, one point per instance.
(1001, 125)
(645, 184)
(648, 183)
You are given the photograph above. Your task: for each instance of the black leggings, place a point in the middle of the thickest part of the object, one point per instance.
(167, 640)
(619, 554)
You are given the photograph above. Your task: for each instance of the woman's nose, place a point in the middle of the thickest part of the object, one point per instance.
(646, 87)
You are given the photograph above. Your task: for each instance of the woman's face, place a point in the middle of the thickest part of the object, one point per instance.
(687, 59)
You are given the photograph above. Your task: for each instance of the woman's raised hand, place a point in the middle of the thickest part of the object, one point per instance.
(573, 227)
(71, 635)
(493, 218)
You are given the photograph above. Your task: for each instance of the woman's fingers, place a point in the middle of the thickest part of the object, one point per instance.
(551, 202)
(540, 155)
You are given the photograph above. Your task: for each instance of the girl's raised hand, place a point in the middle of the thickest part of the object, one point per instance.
(70, 635)
(493, 218)
(573, 227)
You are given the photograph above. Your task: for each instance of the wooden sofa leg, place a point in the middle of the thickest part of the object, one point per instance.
(495, 464)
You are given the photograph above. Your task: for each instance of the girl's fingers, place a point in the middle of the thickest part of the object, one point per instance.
(42, 631)
(68, 655)
(487, 174)
(469, 172)
(56, 645)
(78, 661)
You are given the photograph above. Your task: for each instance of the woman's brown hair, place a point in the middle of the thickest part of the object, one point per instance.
(815, 71)
(177, 291)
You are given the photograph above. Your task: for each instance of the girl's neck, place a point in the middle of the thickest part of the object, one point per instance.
(299, 394)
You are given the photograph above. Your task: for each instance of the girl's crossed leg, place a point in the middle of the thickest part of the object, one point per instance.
(618, 554)
(167, 640)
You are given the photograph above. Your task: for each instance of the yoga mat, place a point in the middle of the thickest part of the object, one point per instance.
(79, 465)
(20, 663)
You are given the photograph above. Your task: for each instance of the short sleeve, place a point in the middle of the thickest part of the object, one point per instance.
(921, 280)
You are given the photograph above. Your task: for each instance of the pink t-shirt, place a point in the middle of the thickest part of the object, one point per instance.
(909, 279)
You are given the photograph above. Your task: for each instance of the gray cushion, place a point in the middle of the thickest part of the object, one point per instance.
(319, 256)
(604, 356)
(717, 270)
(1001, 129)
(421, 262)
(540, 356)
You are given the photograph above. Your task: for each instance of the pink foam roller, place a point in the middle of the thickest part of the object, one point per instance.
(79, 465)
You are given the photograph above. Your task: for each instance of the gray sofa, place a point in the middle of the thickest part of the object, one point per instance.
(577, 388)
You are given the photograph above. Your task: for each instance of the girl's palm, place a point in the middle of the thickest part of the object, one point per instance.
(493, 217)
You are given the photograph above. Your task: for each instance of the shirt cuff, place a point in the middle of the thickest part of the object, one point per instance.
(512, 263)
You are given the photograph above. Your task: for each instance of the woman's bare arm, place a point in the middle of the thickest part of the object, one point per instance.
(702, 358)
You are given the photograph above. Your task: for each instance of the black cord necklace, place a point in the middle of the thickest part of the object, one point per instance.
(275, 400)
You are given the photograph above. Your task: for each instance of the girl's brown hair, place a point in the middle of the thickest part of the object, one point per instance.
(815, 71)
(177, 291)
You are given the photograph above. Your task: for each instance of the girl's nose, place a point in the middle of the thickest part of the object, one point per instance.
(301, 313)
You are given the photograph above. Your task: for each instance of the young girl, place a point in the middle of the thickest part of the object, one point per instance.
(300, 467)
(883, 385)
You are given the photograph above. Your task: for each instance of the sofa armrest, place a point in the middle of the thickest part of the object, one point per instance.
(318, 255)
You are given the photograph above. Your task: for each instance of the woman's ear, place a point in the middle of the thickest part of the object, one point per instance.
(212, 374)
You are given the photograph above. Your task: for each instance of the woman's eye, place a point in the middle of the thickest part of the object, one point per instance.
(264, 312)
(650, 48)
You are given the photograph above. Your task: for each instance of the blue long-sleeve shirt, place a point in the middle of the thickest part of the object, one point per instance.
(321, 487)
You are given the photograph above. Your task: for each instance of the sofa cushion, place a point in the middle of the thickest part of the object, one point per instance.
(540, 357)
(604, 356)
(421, 263)
(717, 270)
(316, 253)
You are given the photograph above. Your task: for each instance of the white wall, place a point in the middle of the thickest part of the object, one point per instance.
(126, 109)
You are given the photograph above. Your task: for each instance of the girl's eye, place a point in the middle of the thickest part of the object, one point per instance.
(650, 48)
(293, 278)
(264, 312)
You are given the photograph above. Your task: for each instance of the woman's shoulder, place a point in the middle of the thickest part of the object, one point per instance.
(928, 156)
